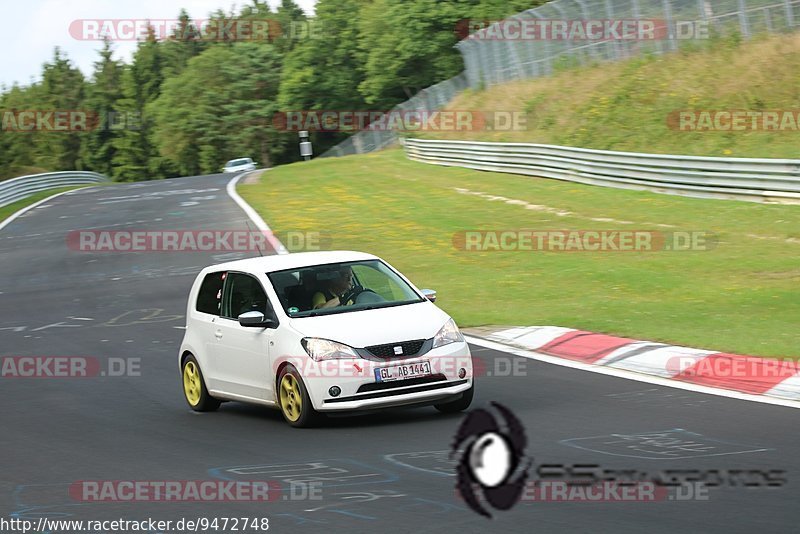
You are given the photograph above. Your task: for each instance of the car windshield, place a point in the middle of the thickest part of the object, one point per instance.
(341, 288)
(235, 162)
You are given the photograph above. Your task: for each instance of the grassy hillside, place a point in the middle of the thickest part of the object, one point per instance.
(624, 106)
(741, 296)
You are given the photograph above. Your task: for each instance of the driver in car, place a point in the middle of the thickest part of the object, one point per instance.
(337, 293)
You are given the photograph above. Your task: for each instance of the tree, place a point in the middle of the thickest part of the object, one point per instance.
(103, 93)
(136, 156)
(200, 125)
(408, 46)
(62, 88)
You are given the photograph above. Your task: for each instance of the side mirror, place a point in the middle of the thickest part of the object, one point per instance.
(255, 319)
(429, 294)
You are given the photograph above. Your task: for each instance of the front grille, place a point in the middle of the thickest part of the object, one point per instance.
(410, 348)
(379, 386)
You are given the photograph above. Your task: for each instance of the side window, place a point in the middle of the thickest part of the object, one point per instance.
(243, 293)
(210, 295)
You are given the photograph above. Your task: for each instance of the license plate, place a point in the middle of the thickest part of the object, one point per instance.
(403, 372)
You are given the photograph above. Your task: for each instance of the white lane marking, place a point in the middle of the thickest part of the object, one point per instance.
(11, 218)
(630, 375)
(254, 216)
(56, 325)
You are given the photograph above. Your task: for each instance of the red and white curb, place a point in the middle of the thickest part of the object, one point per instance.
(767, 380)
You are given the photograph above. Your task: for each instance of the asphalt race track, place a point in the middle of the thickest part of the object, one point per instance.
(384, 472)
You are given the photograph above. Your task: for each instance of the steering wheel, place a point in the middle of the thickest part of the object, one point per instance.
(352, 294)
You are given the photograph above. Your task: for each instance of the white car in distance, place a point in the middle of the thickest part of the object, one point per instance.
(320, 332)
(240, 165)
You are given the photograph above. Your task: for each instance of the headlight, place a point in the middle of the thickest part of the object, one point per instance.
(448, 334)
(325, 349)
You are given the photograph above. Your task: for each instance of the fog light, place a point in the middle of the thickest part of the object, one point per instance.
(335, 391)
(462, 373)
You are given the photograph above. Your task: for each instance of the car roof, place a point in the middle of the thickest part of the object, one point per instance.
(281, 262)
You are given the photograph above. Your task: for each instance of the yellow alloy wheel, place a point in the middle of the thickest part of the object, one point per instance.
(291, 398)
(192, 387)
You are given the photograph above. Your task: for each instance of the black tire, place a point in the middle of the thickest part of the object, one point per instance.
(458, 405)
(194, 387)
(293, 400)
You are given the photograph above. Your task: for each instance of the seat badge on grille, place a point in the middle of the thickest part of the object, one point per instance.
(398, 350)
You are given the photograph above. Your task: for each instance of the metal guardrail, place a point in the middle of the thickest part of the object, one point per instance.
(24, 186)
(758, 180)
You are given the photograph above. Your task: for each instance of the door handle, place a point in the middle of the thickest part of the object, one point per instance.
(218, 334)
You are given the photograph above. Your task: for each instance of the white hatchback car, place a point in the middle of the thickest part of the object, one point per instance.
(240, 165)
(320, 332)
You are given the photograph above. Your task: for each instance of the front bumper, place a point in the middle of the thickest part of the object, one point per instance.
(361, 391)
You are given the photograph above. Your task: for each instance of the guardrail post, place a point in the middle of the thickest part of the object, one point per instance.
(615, 45)
(789, 13)
(673, 45)
(358, 143)
(743, 22)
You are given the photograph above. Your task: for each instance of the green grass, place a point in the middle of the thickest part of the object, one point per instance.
(625, 105)
(16, 206)
(743, 296)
